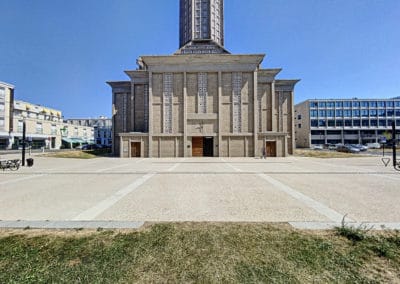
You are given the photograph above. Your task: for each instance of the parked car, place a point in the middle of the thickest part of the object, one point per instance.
(317, 147)
(331, 146)
(373, 145)
(347, 149)
(359, 146)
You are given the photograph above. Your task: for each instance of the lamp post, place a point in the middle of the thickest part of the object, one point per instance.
(23, 142)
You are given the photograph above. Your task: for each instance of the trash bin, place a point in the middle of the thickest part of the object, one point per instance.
(29, 162)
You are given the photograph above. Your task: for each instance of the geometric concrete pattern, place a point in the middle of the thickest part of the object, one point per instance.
(117, 193)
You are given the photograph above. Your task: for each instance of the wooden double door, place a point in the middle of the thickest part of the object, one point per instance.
(270, 148)
(135, 149)
(202, 146)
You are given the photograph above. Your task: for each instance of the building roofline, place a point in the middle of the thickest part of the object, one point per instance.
(7, 85)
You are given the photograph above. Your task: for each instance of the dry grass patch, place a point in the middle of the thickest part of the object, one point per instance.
(324, 154)
(199, 252)
(77, 154)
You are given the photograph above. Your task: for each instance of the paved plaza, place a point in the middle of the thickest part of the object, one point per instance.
(306, 192)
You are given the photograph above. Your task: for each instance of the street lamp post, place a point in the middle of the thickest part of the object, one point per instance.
(23, 142)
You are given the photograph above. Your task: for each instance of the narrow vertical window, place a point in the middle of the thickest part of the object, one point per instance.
(146, 108)
(202, 93)
(237, 102)
(167, 99)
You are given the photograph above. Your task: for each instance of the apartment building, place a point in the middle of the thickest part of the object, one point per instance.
(45, 127)
(6, 123)
(202, 100)
(346, 121)
(102, 127)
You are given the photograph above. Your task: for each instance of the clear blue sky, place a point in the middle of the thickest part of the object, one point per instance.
(60, 53)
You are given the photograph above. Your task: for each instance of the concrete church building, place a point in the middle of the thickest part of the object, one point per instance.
(202, 101)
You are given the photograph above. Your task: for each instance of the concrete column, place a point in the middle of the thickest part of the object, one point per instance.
(359, 137)
(342, 131)
(326, 136)
(150, 114)
(184, 114)
(121, 147)
(132, 109)
(273, 109)
(219, 114)
(256, 114)
(292, 134)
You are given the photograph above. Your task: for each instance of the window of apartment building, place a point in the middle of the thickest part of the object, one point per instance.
(381, 104)
(322, 113)
(2, 91)
(314, 123)
(356, 104)
(389, 122)
(339, 104)
(364, 113)
(346, 104)
(313, 113)
(20, 126)
(382, 123)
(299, 117)
(313, 104)
(397, 104)
(322, 104)
(347, 113)
(39, 128)
(2, 106)
(1, 122)
(373, 112)
(339, 112)
(331, 123)
(356, 113)
(372, 104)
(373, 122)
(398, 122)
(365, 123)
(347, 123)
(330, 113)
(356, 123)
(330, 104)
(299, 126)
(339, 123)
(76, 133)
(53, 129)
(364, 104)
(398, 112)
(390, 104)
(322, 123)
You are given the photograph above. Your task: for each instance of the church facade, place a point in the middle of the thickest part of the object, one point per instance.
(203, 101)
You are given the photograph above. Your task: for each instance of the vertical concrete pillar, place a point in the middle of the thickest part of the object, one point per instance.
(256, 114)
(185, 114)
(150, 114)
(121, 147)
(292, 131)
(131, 127)
(219, 114)
(273, 109)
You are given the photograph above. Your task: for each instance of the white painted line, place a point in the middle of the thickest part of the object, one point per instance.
(317, 206)
(99, 208)
(22, 179)
(102, 206)
(111, 168)
(176, 165)
(231, 166)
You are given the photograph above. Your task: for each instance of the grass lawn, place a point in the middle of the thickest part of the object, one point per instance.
(200, 252)
(78, 154)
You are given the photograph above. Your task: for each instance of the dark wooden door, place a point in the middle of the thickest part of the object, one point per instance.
(197, 146)
(135, 149)
(270, 148)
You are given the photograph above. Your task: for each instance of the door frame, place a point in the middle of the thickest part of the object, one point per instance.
(273, 142)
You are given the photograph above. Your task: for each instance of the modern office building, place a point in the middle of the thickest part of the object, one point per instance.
(202, 101)
(346, 121)
(102, 127)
